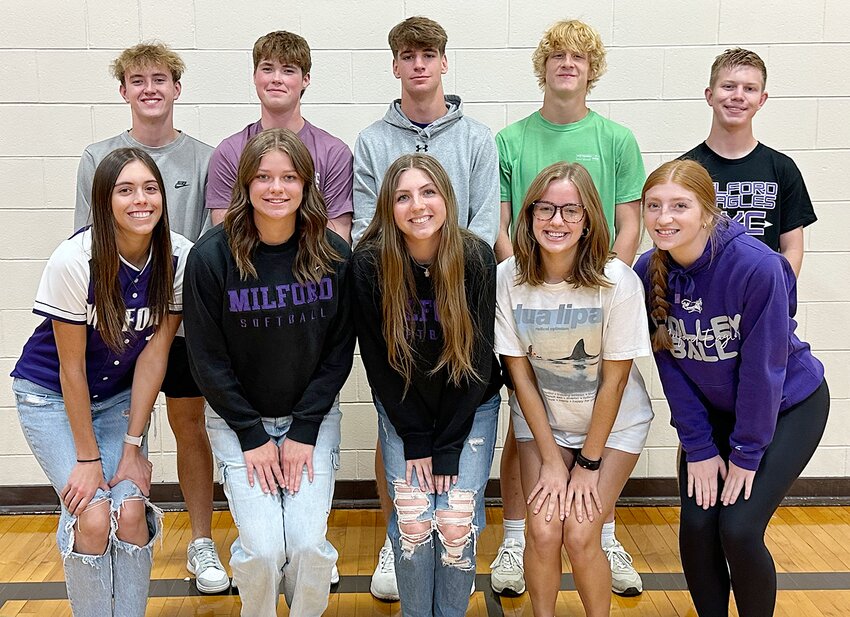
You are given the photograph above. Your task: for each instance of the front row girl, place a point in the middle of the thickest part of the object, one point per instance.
(271, 343)
(89, 375)
(425, 302)
(747, 397)
(570, 321)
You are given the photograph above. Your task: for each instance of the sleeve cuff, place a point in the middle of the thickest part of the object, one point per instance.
(252, 437)
(417, 446)
(446, 463)
(750, 462)
(701, 454)
(303, 431)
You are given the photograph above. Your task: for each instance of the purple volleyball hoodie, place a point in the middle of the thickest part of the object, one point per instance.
(735, 351)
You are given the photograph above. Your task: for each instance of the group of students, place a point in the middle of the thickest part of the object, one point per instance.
(272, 299)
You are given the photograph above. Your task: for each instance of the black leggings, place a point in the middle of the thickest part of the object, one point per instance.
(734, 535)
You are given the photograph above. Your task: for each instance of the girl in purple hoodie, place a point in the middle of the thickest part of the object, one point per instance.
(747, 397)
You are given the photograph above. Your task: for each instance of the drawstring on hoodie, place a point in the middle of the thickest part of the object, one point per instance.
(681, 283)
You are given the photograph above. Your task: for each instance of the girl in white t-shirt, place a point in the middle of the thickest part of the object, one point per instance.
(570, 320)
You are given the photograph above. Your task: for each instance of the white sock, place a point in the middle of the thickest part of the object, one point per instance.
(608, 533)
(514, 529)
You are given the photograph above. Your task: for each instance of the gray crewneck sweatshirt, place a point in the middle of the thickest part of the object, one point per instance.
(463, 146)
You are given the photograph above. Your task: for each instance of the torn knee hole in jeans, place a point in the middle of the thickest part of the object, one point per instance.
(153, 518)
(411, 503)
(455, 528)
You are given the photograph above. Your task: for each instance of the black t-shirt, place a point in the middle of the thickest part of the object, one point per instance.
(764, 191)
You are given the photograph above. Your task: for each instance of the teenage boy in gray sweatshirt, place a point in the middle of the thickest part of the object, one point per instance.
(425, 120)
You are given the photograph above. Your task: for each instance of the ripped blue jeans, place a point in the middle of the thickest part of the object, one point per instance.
(434, 536)
(116, 582)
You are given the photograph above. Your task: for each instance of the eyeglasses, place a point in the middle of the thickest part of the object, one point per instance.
(545, 211)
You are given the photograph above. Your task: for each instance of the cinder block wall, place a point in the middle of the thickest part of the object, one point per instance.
(57, 96)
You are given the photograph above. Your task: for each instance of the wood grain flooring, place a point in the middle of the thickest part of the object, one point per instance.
(811, 546)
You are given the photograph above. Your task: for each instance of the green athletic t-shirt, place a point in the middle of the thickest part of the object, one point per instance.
(608, 150)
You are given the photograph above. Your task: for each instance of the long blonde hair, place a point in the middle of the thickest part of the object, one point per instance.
(315, 254)
(593, 247)
(384, 242)
(692, 176)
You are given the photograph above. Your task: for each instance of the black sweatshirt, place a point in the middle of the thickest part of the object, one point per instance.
(434, 417)
(270, 346)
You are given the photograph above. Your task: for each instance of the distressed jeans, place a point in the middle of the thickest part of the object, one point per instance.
(435, 572)
(116, 582)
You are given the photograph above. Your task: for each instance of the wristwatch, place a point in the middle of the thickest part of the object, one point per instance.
(134, 441)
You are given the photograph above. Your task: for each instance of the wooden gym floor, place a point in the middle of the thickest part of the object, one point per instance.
(811, 546)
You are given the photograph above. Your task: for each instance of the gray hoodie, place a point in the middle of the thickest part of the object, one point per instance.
(464, 147)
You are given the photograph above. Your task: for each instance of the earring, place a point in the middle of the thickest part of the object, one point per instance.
(705, 225)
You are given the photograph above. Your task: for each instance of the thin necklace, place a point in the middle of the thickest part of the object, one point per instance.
(426, 268)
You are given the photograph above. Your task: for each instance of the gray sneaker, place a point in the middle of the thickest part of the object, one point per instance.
(507, 572)
(202, 561)
(383, 585)
(625, 581)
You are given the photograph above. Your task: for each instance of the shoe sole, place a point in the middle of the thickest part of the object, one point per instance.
(507, 591)
(383, 597)
(203, 588)
(629, 592)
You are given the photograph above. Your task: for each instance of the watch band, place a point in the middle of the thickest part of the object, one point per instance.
(587, 463)
(134, 441)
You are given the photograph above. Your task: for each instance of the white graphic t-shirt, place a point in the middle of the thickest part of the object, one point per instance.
(565, 333)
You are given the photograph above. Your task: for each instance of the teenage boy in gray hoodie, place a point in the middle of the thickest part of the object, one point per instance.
(424, 120)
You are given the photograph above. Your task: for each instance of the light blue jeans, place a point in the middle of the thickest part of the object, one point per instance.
(280, 534)
(115, 583)
(435, 573)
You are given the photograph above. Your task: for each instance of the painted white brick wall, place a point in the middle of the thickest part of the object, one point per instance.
(58, 96)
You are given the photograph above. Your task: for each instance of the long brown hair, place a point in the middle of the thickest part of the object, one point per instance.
(385, 242)
(315, 254)
(105, 260)
(593, 250)
(692, 176)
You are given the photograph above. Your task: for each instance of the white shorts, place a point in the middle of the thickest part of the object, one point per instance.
(631, 439)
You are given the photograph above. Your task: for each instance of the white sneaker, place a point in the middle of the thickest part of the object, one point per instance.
(507, 573)
(384, 586)
(625, 581)
(202, 561)
(335, 575)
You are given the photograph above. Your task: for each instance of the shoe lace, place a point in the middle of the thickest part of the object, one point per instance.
(205, 556)
(508, 558)
(618, 558)
(386, 564)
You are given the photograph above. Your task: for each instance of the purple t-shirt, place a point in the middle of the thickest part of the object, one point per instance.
(331, 157)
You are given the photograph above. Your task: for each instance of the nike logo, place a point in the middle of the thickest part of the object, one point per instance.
(180, 184)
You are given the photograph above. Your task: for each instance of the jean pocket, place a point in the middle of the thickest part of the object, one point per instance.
(226, 472)
(28, 399)
(335, 458)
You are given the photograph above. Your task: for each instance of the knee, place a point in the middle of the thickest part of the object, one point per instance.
(581, 540)
(541, 534)
(92, 528)
(186, 417)
(410, 505)
(455, 530)
(739, 538)
(132, 521)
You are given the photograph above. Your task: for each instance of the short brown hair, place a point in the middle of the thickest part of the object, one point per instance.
(285, 47)
(417, 33)
(146, 55)
(572, 36)
(735, 57)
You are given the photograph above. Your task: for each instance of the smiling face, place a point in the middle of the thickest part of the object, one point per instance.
(136, 202)
(558, 239)
(420, 70)
(275, 192)
(151, 92)
(736, 95)
(419, 212)
(279, 85)
(567, 72)
(676, 221)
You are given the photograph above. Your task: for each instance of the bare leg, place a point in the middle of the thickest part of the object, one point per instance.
(194, 461)
(513, 500)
